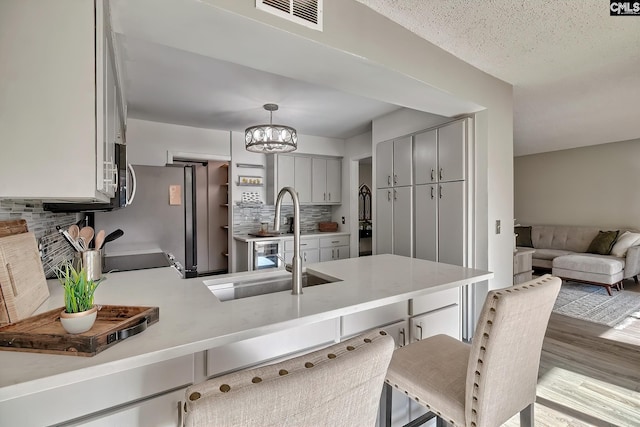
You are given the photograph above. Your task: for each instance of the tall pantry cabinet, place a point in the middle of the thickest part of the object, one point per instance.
(439, 156)
(421, 194)
(394, 196)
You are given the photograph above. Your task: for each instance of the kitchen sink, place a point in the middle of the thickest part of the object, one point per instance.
(253, 287)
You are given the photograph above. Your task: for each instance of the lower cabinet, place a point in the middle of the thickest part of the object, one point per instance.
(255, 351)
(97, 398)
(335, 247)
(159, 411)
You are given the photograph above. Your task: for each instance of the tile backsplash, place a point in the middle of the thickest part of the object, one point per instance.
(248, 219)
(54, 249)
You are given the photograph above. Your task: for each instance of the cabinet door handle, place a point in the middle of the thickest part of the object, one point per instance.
(440, 173)
(395, 195)
(440, 191)
(303, 244)
(432, 193)
(335, 241)
(395, 179)
(432, 177)
(389, 195)
(338, 252)
(329, 196)
(180, 414)
(333, 254)
(324, 196)
(388, 179)
(304, 256)
(404, 338)
(420, 328)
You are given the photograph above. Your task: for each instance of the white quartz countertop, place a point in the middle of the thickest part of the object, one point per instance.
(192, 319)
(248, 238)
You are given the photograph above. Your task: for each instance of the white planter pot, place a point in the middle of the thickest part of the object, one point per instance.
(77, 323)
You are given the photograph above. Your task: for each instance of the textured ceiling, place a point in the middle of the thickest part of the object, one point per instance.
(575, 69)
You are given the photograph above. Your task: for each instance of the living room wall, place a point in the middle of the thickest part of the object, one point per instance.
(597, 185)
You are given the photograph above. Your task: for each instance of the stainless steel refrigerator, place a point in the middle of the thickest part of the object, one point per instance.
(177, 211)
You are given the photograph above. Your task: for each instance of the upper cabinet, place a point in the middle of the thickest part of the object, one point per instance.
(440, 154)
(317, 180)
(62, 111)
(326, 182)
(394, 163)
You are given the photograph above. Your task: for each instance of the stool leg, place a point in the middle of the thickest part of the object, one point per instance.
(527, 417)
(385, 405)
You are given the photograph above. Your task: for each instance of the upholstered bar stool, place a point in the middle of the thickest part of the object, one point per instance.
(489, 381)
(337, 386)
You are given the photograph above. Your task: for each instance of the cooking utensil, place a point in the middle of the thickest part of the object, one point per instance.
(86, 235)
(74, 232)
(74, 243)
(100, 239)
(116, 234)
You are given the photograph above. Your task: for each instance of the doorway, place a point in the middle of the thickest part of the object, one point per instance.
(365, 224)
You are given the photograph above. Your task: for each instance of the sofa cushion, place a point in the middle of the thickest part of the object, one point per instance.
(590, 263)
(589, 268)
(523, 236)
(603, 242)
(624, 242)
(550, 253)
(567, 238)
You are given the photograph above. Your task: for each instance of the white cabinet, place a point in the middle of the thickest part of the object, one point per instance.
(394, 163)
(440, 193)
(54, 111)
(308, 256)
(451, 151)
(326, 181)
(317, 180)
(394, 221)
(159, 411)
(293, 171)
(102, 395)
(442, 321)
(440, 224)
(333, 248)
(253, 351)
(439, 154)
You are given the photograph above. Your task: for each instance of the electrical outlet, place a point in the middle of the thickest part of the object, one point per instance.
(343, 222)
(498, 227)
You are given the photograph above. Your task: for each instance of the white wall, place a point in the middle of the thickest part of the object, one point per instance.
(590, 186)
(402, 122)
(148, 142)
(355, 148)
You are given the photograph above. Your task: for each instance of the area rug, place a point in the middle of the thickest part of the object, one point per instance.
(593, 304)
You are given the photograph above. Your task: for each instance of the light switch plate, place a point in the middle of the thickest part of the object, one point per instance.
(498, 227)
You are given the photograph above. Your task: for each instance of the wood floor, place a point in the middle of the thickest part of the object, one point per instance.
(589, 374)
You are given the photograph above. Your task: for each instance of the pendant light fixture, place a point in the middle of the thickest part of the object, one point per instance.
(270, 138)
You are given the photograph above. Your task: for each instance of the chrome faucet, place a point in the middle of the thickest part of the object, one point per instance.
(296, 264)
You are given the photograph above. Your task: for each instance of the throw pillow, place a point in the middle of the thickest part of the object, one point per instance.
(624, 242)
(603, 242)
(523, 237)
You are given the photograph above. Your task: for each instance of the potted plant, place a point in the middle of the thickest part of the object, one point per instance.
(80, 313)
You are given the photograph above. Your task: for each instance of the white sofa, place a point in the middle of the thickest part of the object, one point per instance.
(563, 250)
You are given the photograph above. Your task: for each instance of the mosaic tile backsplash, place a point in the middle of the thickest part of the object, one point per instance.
(54, 249)
(248, 219)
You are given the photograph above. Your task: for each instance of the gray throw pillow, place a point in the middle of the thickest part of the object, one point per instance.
(603, 242)
(523, 237)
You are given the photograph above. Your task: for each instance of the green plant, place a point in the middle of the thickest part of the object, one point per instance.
(78, 290)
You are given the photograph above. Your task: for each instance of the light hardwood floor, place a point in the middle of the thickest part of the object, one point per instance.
(589, 374)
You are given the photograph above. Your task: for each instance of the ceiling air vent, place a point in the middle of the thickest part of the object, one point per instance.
(305, 12)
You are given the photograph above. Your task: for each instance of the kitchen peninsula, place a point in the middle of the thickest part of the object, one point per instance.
(143, 378)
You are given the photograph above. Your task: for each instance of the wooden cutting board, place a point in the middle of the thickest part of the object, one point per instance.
(23, 286)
